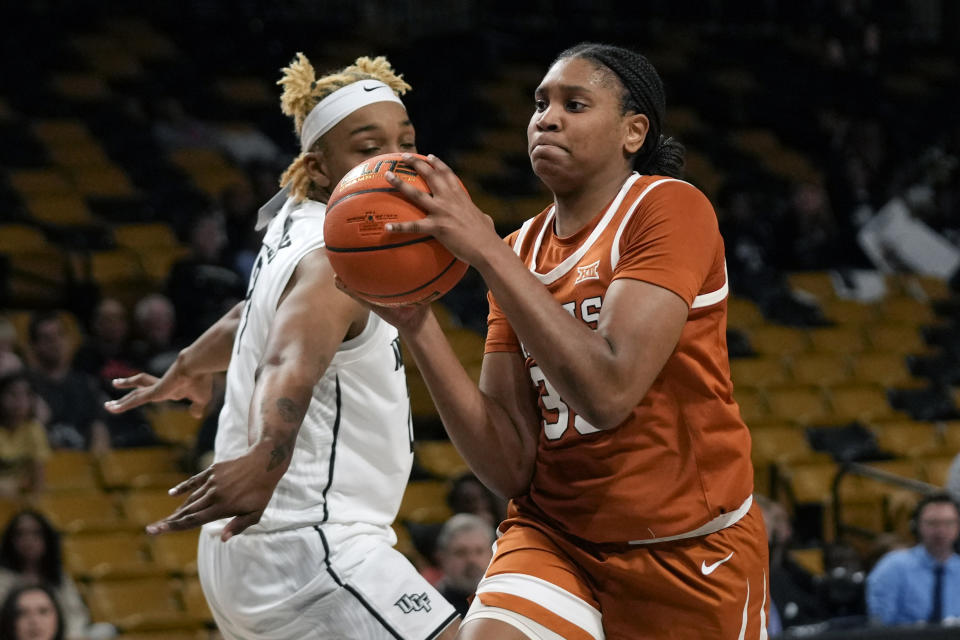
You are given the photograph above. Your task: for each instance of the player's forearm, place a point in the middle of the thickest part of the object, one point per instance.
(499, 451)
(280, 400)
(211, 352)
(577, 361)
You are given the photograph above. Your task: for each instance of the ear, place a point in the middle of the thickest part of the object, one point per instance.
(637, 125)
(316, 165)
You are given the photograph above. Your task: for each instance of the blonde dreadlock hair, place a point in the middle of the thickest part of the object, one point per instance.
(302, 90)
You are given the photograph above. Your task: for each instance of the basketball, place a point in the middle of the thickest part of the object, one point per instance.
(387, 269)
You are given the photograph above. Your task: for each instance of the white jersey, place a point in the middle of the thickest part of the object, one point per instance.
(354, 451)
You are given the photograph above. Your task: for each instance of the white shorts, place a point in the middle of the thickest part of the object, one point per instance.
(335, 583)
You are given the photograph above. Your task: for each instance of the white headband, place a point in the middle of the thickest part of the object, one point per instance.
(341, 103)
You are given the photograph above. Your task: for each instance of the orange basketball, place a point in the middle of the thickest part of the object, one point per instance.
(385, 268)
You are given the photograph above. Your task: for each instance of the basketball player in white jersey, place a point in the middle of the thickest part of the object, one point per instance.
(314, 444)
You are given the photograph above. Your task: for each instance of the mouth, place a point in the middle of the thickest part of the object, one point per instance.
(547, 143)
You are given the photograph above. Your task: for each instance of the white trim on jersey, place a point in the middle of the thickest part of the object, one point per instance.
(521, 234)
(615, 249)
(571, 261)
(707, 299)
(549, 596)
(702, 300)
(763, 609)
(746, 605)
(722, 521)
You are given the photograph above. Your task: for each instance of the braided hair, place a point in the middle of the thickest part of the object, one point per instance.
(302, 90)
(642, 93)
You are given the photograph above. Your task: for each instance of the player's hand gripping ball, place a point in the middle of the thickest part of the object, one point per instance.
(388, 269)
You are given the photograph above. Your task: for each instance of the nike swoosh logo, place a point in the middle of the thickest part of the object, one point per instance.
(707, 569)
(370, 88)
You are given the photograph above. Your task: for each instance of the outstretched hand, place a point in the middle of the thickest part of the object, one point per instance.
(452, 217)
(174, 385)
(240, 487)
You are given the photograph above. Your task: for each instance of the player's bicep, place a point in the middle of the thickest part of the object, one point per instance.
(642, 323)
(312, 317)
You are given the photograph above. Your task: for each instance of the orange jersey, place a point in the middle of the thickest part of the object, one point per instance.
(680, 463)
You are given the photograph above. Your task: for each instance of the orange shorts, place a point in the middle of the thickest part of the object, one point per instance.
(713, 586)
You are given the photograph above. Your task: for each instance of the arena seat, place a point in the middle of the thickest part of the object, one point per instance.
(149, 505)
(837, 340)
(176, 551)
(758, 372)
(139, 604)
(425, 501)
(174, 424)
(194, 602)
(778, 340)
(906, 310)
(849, 312)
(440, 458)
(801, 404)
(906, 438)
(895, 338)
(82, 511)
(817, 283)
(156, 467)
(863, 402)
(819, 369)
(887, 369)
(67, 470)
(60, 209)
(743, 313)
(108, 556)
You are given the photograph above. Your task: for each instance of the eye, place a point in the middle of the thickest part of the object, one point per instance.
(370, 151)
(540, 105)
(575, 105)
(409, 145)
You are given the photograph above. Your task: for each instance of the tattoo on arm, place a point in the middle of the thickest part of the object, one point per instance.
(289, 413)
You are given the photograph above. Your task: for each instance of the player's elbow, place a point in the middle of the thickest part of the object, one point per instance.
(608, 411)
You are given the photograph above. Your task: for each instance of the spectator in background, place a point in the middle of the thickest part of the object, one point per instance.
(922, 583)
(23, 440)
(30, 555)
(106, 354)
(464, 549)
(153, 346)
(469, 495)
(793, 589)
(201, 286)
(9, 360)
(31, 613)
(70, 395)
(243, 240)
(953, 479)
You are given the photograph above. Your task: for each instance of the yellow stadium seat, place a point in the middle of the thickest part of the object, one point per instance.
(819, 369)
(9, 507)
(194, 602)
(70, 470)
(809, 559)
(32, 182)
(867, 514)
(816, 283)
(20, 238)
(82, 511)
(837, 340)
(849, 312)
(896, 338)
(425, 501)
(60, 209)
(139, 604)
(155, 467)
(936, 469)
(809, 483)
(81, 87)
(214, 181)
(421, 404)
(110, 555)
(906, 310)
(174, 424)
(758, 372)
(753, 405)
(146, 506)
(887, 369)
(864, 402)
(84, 155)
(107, 181)
(800, 404)
(157, 261)
(467, 344)
(440, 458)
(743, 313)
(141, 236)
(198, 159)
(906, 437)
(62, 132)
(176, 551)
(783, 444)
(777, 340)
(245, 91)
(951, 436)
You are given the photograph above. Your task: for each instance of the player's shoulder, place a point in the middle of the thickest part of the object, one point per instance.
(655, 197)
(659, 188)
(530, 224)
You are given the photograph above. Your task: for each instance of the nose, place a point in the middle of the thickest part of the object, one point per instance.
(547, 120)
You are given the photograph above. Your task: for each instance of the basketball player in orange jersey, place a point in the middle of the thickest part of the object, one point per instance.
(314, 442)
(605, 408)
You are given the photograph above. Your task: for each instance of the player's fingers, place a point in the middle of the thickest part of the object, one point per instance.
(420, 227)
(191, 483)
(131, 400)
(138, 380)
(437, 174)
(240, 524)
(185, 521)
(419, 198)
